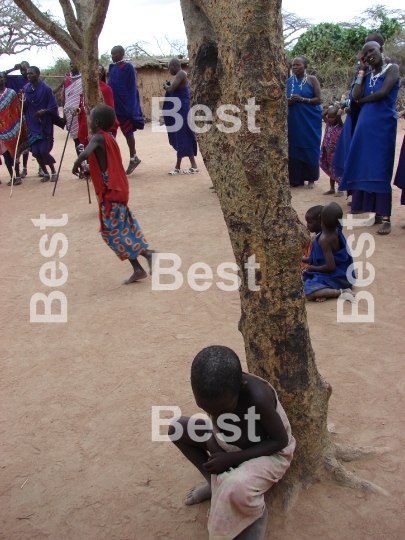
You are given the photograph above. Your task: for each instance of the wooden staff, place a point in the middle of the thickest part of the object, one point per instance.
(18, 141)
(88, 188)
(63, 154)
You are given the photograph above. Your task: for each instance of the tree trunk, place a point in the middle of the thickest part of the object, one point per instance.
(79, 40)
(236, 53)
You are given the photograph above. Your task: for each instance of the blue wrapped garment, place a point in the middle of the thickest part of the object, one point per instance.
(399, 180)
(183, 140)
(36, 99)
(337, 279)
(370, 161)
(122, 80)
(16, 82)
(343, 146)
(304, 125)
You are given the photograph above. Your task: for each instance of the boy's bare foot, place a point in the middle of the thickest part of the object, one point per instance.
(385, 228)
(136, 276)
(198, 494)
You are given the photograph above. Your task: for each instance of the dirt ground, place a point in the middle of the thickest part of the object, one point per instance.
(77, 460)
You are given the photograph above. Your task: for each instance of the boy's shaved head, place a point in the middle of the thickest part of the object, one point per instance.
(105, 116)
(314, 211)
(333, 110)
(175, 62)
(118, 48)
(377, 37)
(215, 372)
(331, 214)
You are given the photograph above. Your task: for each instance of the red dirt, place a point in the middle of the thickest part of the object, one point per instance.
(77, 460)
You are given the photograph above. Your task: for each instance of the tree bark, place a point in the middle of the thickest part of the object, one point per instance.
(80, 41)
(236, 53)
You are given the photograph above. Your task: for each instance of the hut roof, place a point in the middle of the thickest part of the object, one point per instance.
(151, 61)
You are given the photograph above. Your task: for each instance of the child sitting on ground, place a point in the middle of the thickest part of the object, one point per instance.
(119, 228)
(313, 219)
(333, 119)
(325, 276)
(244, 410)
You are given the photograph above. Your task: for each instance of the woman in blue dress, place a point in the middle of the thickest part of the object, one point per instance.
(369, 165)
(304, 125)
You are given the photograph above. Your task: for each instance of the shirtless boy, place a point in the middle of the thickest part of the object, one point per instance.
(237, 474)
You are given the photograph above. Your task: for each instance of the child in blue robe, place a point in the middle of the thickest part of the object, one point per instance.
(329, 272)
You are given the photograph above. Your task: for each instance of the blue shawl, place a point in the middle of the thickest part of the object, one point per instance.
(36, 99)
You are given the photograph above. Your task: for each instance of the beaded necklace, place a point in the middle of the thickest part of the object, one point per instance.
(374, 78)
(4, 92)
(299, 84)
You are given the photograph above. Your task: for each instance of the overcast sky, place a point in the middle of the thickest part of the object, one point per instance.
(131, 21)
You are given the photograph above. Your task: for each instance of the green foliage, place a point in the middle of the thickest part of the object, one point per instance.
(329, 41)
(54, 74)
(105, 59)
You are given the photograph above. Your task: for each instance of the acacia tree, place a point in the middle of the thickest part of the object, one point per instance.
(84, 21)
(17, 32)
(293, 24)
(236, 53)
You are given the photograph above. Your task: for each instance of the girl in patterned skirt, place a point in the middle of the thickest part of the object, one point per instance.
(333, 119)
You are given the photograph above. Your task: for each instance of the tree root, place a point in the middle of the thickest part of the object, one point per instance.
(347, 479)
(355, 453)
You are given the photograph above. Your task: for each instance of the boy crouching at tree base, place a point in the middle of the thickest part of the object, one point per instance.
(246, 449)
(119, 228)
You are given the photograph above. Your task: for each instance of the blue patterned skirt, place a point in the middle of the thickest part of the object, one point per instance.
(122, 232)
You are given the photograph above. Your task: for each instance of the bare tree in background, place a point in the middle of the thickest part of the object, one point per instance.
(84, 20)
(17, 32)
(293, 26)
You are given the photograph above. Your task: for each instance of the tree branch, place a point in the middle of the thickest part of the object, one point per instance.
(99, 14)
(71, 21)
(50, 27)
(17, 32)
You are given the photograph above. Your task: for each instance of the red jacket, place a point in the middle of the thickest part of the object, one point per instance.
(108, 97)
(117, 189)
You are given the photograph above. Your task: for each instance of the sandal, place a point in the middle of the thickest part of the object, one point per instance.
(191, 170)
(24, 173)
(54, 177)
(329, 192)
(17, 181)
(385, 228)
(45, 178)
(339, 194)
(174, 171)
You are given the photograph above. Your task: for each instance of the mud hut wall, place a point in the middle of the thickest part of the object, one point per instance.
(150, 81)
